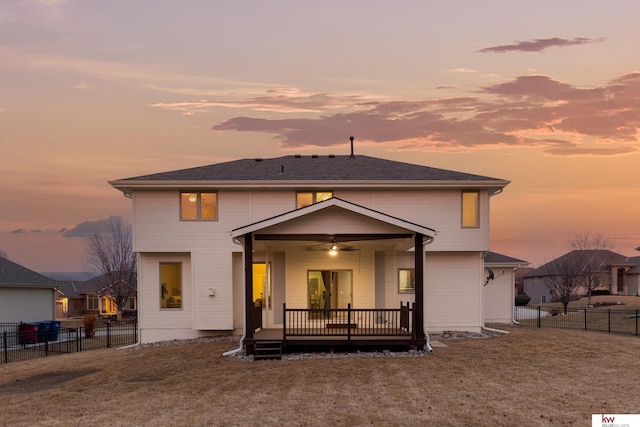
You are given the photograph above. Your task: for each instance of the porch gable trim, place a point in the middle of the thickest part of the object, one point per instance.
(334, 201)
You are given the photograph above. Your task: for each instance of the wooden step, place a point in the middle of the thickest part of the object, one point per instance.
(265, 350)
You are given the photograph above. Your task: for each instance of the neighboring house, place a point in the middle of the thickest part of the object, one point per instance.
(90, 297)
(224, 247)
(500, 287)
(615, 273)
(520, 273)
(633, 276)
(25, 296)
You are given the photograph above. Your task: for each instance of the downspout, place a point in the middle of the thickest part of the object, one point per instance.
(240, 346)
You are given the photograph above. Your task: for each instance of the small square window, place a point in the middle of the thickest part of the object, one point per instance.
(198, 206)
(306, 198)
(406, 280)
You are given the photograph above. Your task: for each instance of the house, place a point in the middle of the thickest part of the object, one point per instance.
(500, 287)
(614, 272)
(25, 296)
(316, 248)
(633, 276)
(78, 298)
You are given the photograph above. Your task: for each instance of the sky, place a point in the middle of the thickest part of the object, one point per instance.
(545, 94)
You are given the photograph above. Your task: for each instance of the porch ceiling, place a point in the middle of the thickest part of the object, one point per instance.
(263, 242)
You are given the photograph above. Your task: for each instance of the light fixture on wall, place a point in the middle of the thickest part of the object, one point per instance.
(333, 251)
(193, 197)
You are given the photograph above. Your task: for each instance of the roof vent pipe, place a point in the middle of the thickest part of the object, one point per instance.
(351, 139)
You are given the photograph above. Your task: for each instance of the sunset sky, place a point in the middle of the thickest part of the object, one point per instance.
(545, 94)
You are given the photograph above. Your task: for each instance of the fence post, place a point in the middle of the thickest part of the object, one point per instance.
(585, 319)
(108, 335)
(6, 350)
(349, 322)
(609, 320)
(636, 322)
(135, 330)
(539, 316)
(79, 339)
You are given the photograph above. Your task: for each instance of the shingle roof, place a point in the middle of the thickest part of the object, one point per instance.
(604, 256)
(313, 168)
(92, 286)
(496, 258)
(15, 274)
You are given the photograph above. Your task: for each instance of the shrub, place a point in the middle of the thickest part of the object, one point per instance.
(523, 299)
(600, 292)
(89, 323)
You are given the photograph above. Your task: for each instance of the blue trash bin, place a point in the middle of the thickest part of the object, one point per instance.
(43, 331)
(54, 329)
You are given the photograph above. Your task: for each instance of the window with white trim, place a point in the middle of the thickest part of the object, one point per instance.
(306, 198)
(198, 206)
(470, 209)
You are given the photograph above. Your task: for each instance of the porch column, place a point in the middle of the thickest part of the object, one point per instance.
(248, 285)
(419, 269)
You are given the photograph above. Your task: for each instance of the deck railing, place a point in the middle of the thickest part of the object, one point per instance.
(349, 322)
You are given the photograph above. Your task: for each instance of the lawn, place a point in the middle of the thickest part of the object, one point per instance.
(528, 377)
(604, 302)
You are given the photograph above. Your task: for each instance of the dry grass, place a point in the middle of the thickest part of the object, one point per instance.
(528, 377)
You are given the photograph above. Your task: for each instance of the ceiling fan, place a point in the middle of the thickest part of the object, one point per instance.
(332, 248)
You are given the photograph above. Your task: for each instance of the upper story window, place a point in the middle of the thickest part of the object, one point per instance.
(198, 206)
(471, 209)
(306, 198)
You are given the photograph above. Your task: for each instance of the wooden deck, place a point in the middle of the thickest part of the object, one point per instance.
(337, 340)
(340, 328)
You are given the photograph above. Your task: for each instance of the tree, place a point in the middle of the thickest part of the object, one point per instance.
(562, 278)
(110, 253)
(594, 256)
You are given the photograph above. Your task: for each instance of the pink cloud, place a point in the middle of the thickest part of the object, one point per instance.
(538, 45)
(527, 111)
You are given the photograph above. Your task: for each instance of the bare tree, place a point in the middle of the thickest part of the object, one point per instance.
(562, 278)
(110, 253)
(594, 256)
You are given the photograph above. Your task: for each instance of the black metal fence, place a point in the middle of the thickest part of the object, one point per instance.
(22, 341)
(588, 319)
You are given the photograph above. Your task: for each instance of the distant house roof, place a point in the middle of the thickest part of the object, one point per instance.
(605, 257)
(636, 265)
(496, 258)
(334, 171)
(94, 286)
(15, 275)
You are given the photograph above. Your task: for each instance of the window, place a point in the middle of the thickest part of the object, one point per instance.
(470, 209)
(93, 303)
(130, 304)
(198, 206)
(170, 285)
(306, 198)
(406, 280)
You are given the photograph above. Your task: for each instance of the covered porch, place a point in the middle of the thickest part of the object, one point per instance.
(363, 318)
